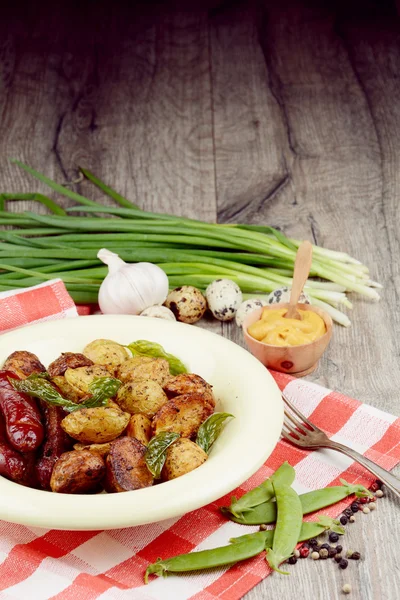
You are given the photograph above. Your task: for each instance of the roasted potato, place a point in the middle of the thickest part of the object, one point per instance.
(183, 414)
(144, 367)
(182, 457)
(68, 360)
(143, 396)
(67, 391)
(80, 379)
(139, 427)
(23, 364)
(77, 473)
(100, 449)
(107, 353)
(189, 383)
(95, 425)
(126, 466)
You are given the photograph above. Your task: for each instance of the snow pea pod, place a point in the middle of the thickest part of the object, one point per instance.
(206, 559)
(311, 502)
(288, 526)
(259, 495)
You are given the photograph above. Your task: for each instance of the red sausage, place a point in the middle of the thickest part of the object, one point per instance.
(12, 464)
(57, 442)
(22, 418)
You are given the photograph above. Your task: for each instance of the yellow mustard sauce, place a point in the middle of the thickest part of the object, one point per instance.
(274, 329)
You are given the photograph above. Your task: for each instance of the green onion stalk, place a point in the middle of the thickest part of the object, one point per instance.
(35, 248)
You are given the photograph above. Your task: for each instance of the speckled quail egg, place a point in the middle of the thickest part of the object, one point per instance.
(224, 298)
(159, 312)
(187, 303)
(283, 295)
(246, 308)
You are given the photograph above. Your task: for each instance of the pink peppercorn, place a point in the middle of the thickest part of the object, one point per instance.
(304, 552)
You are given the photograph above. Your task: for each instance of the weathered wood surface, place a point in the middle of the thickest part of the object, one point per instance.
(284, 113)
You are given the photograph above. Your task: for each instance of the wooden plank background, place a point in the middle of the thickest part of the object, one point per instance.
(283, 113)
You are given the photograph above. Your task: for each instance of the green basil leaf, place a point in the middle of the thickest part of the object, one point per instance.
(102, 389)
(146, 348)
(210, 430)
(156, 451)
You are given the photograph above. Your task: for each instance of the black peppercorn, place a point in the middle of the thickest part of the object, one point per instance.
(333, 537)
(355, 507)
(332, 552)
(313, 542)
(292, 560)
(339, 548)
(338, 558)
(343, 563)
(325, 546)
(355, 556)
(343, 520)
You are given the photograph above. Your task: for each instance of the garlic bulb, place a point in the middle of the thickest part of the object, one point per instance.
(130, 288)
(159, 312)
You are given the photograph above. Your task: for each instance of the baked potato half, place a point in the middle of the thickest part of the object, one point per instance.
(183, 414)
(68, 360)
(142, 396)
(189, 383)
(100, 449)
(107, 353)
(77, 473)
(144, 367)
(95, 425)
(126, 466)
(182, 457)
(139, 427)
(23, 364)
(67, 391)
(80, 379)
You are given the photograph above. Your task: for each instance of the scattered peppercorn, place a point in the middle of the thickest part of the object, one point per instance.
(355, 556)
(313, 542)
(373, 499)
(333, 537)
(343, 520)
(372, 506)
(352, 519)
(304, 552)
(366, 510)
(374, 487)
(332, 552)
(343, 563)
(305, 545)
(364, 500)
(338, 558)
(296, 553)
(323, 553)
(354, 507)
(292, 560)
(315, 555)
(348, 512)
(346, 589)
(263, 527)
(325, 546)
(349, 553)
(339, 548)
(379, 494)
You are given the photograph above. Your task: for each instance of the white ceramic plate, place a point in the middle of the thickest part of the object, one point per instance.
(242, 386)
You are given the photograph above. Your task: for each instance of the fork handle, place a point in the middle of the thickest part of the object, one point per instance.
(387, 478)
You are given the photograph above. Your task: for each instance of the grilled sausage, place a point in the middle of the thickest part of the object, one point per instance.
(22, 417)
(23, 364)
(13, 465)
(56, 443)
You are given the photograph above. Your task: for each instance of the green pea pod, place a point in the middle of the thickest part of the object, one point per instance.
(288, 526)
(146, 348)
(259, 495)
(309, 529)
(210, 430)
(206, 559)
(156, 451)
(311, 502)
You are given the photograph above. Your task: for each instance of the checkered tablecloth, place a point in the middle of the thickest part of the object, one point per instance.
(38, 564)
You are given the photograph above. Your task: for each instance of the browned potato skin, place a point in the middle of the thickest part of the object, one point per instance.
(126, 466)
(95, 425)
(143, 396)
(108, 353)
(68, 360)
(100, 449)
(23, 364)
(66, 390)
(77, 472)
(81, 377)
(182, 457)
(189, 383)
(183, 414)
(139, 427)
(144, 367)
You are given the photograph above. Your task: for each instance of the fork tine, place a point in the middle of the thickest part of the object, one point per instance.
(296, 422)
(291, 439)
(297, 412)
(291, 429)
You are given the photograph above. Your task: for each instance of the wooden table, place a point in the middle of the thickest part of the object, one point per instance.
(283, 113)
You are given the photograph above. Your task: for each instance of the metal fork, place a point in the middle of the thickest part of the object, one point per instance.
(301, 432)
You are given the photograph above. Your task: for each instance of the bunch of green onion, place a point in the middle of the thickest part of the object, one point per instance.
(64, 245)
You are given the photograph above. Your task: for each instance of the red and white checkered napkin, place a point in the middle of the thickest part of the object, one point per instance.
(41, 564)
